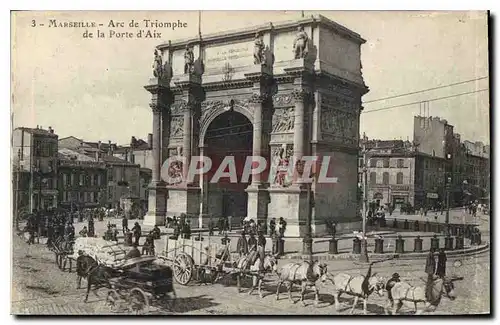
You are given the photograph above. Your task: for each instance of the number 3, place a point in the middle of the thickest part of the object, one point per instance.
(33, 23)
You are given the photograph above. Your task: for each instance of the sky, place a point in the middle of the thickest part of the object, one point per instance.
(94, 88)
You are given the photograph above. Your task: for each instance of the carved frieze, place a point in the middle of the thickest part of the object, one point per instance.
(338, 103)
(176, 126)
(283, 120)
(174, 172)
(339, 126)
(282, 100)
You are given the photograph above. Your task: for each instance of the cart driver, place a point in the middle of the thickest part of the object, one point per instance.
(134, 252)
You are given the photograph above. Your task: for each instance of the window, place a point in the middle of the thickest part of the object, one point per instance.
(386, 162)
(99, 180)
(373, 178)
(400, 163)
(91, 197)
(360, 162)
(385, 178)
(373, 162)
(399, 178)
(72, 179)
(65, 179)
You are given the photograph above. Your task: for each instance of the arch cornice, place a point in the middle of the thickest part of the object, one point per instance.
(212, 112)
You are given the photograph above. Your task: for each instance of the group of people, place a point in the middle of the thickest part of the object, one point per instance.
(50, 223)
(181, 226)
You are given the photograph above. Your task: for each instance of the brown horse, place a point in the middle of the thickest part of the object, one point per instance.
(306, 274)
(404, 292)
(246, 268)
(359, 286)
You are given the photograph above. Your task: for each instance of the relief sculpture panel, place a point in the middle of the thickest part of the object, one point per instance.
(283, 120)
(176, 126)
(339, 126)
(281, 158)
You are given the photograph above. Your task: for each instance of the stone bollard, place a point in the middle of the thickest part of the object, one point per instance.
(416, 226)
(417, 247)
(459, 242)
(274, 241)
(395, 223)
(333, 246)
(356, 246)
(400, 245)
(435, 243)
(379, 245)
(406, 225)
(427, 226)
(448, 243)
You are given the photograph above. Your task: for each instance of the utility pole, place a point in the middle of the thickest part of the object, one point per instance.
(364, 248)
(448, 181)
(16, 203)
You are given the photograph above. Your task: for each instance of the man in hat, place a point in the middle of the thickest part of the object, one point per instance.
(441, 264)
(242, 245)
(392, 281)
(124, 225)
(261, 249)
(137, 233)
(430, 268)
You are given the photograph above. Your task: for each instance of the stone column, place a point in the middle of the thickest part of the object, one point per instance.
(186, 139)
(299, 135)
(257, 134)
(160, 103)
(157, 150)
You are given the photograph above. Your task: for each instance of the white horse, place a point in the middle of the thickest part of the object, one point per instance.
(246, 268)
(306, 274)
(402, 291)
(359, 286)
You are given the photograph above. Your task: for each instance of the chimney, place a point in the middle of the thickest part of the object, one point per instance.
(51, 131)
(126, 154)
(110, 152)
(150, 140)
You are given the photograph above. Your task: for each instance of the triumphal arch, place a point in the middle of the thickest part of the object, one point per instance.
(279, 91)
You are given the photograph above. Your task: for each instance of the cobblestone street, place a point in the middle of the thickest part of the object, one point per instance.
(39, 287)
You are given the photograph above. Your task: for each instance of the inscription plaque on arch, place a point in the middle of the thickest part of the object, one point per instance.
(238, 55)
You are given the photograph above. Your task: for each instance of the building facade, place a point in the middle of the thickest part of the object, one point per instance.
(35, 169)
(281, 91)
(82, 181)
(123, 180)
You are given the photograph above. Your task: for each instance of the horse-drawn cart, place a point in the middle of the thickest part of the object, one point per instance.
(140, 284)
(208, 261)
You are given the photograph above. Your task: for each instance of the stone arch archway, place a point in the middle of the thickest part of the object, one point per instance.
(227, 137)
(217, 110)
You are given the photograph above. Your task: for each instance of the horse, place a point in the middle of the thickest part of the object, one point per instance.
(84, 264)
(98, 276)
(306, 274)
(402, 291)
(359, 286)
(245, 268)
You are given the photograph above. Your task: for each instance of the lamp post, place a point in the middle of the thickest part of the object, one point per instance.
(364, 249)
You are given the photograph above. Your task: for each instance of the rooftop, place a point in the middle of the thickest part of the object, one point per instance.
(38, 131)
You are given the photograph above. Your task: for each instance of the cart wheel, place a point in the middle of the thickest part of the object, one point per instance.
(113, 300)
(183, 269)
(138, 302)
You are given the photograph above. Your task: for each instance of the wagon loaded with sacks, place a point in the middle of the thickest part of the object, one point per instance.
(203, 261)
(134, 283)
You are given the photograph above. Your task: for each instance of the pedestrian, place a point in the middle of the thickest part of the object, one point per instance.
(261, 249)
(124, 225)
(441, 264)
(91, 229)
(252, 242)
(134, 252)
(272, 227)
(242, 245)
(430, 268)
(30, 227)
(84, 232)
(156, 232)
(137, 233)
(282, 227)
